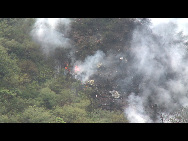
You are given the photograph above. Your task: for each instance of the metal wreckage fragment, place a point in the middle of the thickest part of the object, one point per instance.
(115, 94)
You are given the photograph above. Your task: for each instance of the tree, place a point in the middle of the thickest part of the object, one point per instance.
(71, 114)
(9, 69)
(29, 68)
(34, 114)
(30, 89)
(11, 102)
(47, 98)
(105, 116)
(65, 97)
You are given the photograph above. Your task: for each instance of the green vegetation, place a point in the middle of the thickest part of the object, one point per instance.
(30, 92)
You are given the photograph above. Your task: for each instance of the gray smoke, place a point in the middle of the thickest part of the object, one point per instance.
(47, 33)
(135, 112)
(163, 65)
(152, 75)
(182, 23)
(89, 66)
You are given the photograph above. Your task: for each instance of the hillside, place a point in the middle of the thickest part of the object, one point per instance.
(93, 70)
(31, 89)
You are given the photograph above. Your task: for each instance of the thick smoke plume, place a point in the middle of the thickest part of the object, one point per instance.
(49, 35)
(162, 64)
(152, 75)
(89, 66)
(135, 111)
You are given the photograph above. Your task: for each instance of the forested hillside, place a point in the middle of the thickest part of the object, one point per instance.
(92, 70)
(31, 90)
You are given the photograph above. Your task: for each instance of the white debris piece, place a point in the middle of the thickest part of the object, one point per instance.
(99, 65)
(91, 82)
(115, 94)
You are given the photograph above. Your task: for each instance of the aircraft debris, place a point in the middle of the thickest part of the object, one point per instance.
(115, 94)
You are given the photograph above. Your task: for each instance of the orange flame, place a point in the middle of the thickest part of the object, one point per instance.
(76, 69)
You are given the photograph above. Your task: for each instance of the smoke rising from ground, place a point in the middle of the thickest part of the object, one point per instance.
(163, 65)
(135, 111)
(182, 23)
(152, 75)
(47, 33)
(89, 66)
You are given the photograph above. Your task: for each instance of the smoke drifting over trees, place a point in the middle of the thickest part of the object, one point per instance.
(162, 64)
(89, 66)
(46, 31)
(77, 70)
(149, 69)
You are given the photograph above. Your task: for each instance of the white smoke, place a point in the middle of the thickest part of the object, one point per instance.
(158, 66)
(47, 34)
(135, 111)
(89, 66)
(163, 63)
(182, 23)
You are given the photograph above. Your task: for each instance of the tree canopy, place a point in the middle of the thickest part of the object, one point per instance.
(38, 88)
(30, 89)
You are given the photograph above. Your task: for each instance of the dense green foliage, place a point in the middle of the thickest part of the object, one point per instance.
(30, 92)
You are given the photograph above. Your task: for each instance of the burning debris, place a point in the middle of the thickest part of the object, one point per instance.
(76, 69)
(142, 71)
(88, 67)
